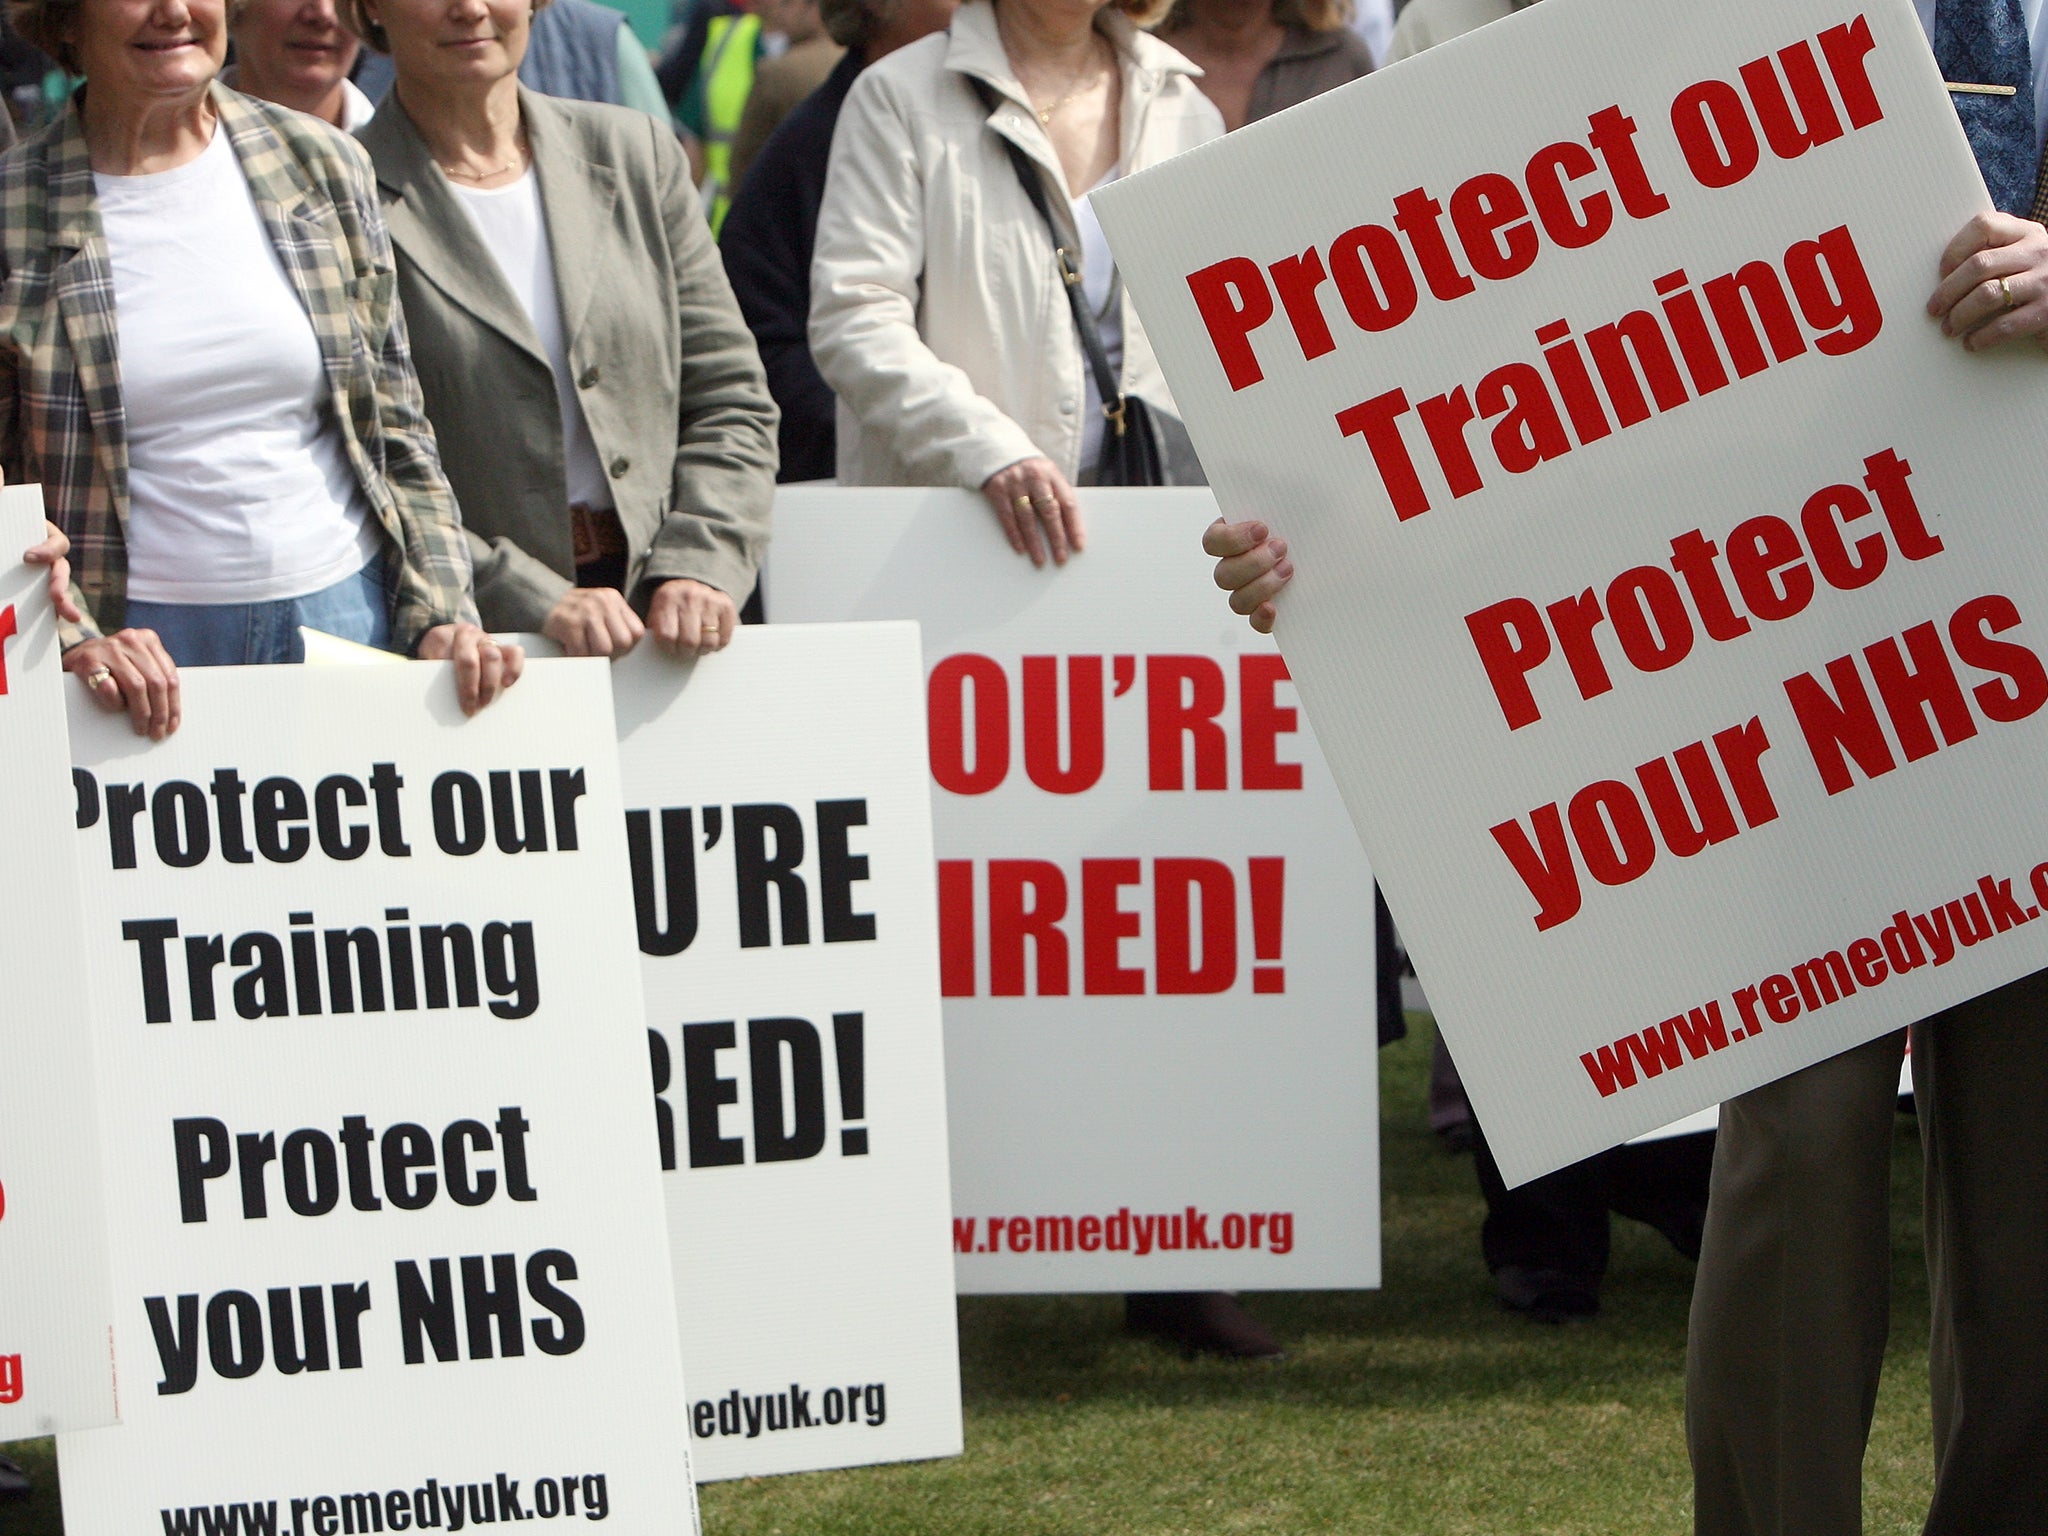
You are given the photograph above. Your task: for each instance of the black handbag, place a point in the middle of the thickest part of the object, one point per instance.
(1141, 445)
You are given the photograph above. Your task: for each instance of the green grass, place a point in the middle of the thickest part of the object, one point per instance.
(1421, 1408)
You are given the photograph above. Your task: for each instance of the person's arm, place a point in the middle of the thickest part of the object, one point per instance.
(433, 614)
(865, 279)
(704, 559)
(765, 243)
(638, 87)
(75, 623)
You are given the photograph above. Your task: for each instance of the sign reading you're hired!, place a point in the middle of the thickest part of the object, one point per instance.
(779, 824)
(1155, 930)
(387, 1251)
(1668, 602)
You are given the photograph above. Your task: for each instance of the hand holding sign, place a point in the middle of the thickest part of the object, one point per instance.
(1994, 282)
(1252, 566)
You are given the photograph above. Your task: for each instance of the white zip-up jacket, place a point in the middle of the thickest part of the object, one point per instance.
(937, 310)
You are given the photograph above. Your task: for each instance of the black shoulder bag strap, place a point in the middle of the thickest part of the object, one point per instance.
(1114, 406)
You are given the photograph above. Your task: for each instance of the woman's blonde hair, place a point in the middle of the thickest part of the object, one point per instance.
(1309, 15)
(357, 19)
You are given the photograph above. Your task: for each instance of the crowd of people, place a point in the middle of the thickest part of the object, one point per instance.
(426, 320)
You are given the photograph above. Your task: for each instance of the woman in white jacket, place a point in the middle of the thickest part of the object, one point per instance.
(937, 310)
(939, 317)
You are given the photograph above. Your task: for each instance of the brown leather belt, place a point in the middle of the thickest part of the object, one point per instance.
(594, 532)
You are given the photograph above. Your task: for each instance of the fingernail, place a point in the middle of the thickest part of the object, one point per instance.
(1280, 549)
(1284, 569)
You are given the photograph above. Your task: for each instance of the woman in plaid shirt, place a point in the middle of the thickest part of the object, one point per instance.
(203, 363)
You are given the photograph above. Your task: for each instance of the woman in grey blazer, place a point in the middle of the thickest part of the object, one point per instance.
(600, 405)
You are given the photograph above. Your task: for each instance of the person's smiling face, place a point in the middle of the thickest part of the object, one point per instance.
(150, 49)
(454, 42)
(294, 45)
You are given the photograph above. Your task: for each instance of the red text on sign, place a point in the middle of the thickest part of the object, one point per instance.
(1034, 920)
(1567, 193)
(1750, 312)
(1650, 620)
(1611, 822)
(1922, 697)
(975, 716)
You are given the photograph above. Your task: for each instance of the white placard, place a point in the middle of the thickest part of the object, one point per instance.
(56, 1309)
(1671, 592)
(1156, 928)
(779, 824)
(388, 1232)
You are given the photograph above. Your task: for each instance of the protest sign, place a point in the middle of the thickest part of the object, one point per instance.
(1155, 927)
(780, 832)
(56, 1357)
(1670, 591)
(388, 1239)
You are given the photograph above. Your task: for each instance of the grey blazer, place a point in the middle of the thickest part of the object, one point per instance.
(669, 377)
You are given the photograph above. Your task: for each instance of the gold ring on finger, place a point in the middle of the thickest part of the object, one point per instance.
(1022, 503)
(99, 675)
(2005, 290)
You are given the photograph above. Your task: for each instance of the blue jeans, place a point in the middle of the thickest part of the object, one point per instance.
(253, 634)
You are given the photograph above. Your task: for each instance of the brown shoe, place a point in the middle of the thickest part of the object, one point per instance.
(1210, 1322)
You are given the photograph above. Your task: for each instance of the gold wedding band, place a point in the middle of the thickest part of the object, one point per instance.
(1022, 503)
(99, 675)
(2005, 287)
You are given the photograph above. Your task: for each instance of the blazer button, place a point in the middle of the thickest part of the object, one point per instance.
(589, 377)
(1067, 405)
(620, 465)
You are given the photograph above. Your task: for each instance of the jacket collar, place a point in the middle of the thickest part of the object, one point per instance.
(975, 48)
(429, 223)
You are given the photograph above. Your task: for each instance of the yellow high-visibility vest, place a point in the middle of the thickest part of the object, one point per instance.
(727, 77)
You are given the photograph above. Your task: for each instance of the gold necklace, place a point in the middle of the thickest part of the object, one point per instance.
(1074, 87)
(463, 173)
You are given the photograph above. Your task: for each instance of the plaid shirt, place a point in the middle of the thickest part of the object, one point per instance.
(61, 419)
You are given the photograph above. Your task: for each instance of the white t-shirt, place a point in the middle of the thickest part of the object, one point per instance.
(239, 483)
(515, 233)
(1098, 281)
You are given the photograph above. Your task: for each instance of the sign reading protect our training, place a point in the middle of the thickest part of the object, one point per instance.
(389, 1249)
(56, 1367)
(1155, 926)
(1671, 599)
(779, 823)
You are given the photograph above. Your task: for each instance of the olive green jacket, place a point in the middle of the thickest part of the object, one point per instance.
(665, 368)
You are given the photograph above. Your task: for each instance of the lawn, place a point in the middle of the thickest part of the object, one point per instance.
(1421, 1408)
